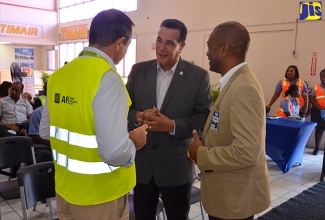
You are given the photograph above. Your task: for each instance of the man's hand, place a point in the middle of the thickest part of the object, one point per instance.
(157, 121)
(193, 147)
(139, 136)
(13, 127)
(305, 96)
(139, 117)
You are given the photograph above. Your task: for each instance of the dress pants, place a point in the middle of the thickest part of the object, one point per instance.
(176, 201)
(115, 210)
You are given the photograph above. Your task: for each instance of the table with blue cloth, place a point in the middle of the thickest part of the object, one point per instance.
(286, 140)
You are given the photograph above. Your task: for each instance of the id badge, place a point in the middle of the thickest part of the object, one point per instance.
(215, 120)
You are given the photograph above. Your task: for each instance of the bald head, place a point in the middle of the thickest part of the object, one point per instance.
(235, 35)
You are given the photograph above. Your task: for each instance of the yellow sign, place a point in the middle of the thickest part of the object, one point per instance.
(310, 10)
(20, 30)
(74, 32)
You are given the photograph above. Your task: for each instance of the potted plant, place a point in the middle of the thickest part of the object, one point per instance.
(215, 90)
(44, 77)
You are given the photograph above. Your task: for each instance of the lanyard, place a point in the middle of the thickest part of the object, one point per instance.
(92, 54)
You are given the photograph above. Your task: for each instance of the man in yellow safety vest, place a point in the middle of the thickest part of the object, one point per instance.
(85, 118)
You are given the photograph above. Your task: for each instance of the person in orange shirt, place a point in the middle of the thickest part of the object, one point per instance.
(317, 99)
(291, 106)
(291, 77)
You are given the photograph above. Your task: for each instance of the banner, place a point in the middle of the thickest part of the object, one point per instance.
(24, 57)
(20, 30)
(74, 32)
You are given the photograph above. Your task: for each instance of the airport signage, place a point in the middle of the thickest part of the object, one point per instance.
(74, 32)
(20, 30)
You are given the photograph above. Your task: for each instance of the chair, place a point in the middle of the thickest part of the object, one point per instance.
(196, 193)
(3, 128)
(36, 183)
(37, 148)
(13, 150)
(160, 208)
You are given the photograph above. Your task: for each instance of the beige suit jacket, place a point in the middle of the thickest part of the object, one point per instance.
(235, 179)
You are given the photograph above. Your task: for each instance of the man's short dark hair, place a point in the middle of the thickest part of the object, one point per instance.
(22, 85)
(234, 34)
(177, 25)
(108, 26)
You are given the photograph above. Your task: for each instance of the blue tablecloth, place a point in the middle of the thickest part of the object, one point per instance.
(286, 140)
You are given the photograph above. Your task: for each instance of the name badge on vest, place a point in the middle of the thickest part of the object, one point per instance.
(215, 120)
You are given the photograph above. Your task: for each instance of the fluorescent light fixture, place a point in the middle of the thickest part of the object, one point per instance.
(5, 42)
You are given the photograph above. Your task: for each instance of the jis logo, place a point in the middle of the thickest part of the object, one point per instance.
(310, 11)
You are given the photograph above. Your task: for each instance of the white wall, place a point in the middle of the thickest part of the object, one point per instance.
(49, 5)
(47, 18)
(272, 27)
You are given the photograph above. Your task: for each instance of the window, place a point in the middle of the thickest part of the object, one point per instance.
(124, 67)
(70, 51)
(50, 59)
(63, 57)
(75, 10)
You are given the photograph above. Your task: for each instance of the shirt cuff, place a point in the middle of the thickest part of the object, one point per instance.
(132, 158)
(173, 133)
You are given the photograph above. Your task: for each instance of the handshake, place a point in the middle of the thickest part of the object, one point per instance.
(322, 114)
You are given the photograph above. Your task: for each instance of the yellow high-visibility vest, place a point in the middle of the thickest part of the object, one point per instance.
(81, 176)
(42, 98)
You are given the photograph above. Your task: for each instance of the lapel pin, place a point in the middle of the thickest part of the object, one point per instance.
(181, 73)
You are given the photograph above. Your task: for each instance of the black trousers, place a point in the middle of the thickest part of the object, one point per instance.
(176, 201)
(216, 218)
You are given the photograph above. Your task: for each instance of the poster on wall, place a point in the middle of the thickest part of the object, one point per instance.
(24, 57)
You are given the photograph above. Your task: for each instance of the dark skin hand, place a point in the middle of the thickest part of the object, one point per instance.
(37, 139)
(13, 127)
(193, 147)
(155, 120)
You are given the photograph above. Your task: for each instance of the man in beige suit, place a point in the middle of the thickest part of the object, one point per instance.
(231, 156)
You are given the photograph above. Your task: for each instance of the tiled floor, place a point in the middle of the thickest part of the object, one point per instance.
(283, 187)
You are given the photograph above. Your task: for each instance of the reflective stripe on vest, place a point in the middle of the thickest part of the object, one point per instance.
(73, 138)
(320, 97)
(82, 167)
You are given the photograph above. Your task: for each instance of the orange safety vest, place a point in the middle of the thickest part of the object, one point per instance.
(320, 96)
(285, 87)
(280, 111)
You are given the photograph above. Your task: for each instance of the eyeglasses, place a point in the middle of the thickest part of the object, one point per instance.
(144, 114)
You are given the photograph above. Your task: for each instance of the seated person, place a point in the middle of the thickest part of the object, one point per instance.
(42, 146)
(4, 88)
(14, 109)
(28, 97)
(40, 100)
(290, 106)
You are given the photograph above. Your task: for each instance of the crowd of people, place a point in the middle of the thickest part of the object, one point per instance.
(300, 101)
(162, 120)
(17, 115)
